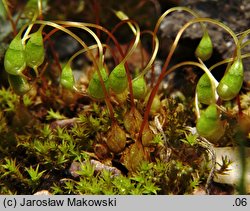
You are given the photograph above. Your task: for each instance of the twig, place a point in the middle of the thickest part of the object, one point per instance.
(210, 149)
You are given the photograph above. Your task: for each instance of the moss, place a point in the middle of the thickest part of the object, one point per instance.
(70, 142)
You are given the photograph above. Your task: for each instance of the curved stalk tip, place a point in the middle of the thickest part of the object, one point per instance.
(173, 47)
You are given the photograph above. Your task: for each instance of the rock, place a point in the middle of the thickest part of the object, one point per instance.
(42, 193)
(235, 14)
(233, 175)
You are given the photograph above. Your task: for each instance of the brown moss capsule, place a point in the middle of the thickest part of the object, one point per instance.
(132, 157)
(132, 121)
(147, 136)
(101, 151)
(116, 138)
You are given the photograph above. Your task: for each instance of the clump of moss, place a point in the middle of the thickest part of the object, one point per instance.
(42, 160)
(113, 131)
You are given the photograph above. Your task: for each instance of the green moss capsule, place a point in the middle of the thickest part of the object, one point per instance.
(209, 124)
(14, 59)
(231, 83)
(34, 50)
(95, 88)
(31, 9)
(156, 104)
(139, 88)
(205, 48)
(147, 136)
(19, 84)
(204, 90)
(118, 81)
(116, 139)
(121, 98)
(67, 77)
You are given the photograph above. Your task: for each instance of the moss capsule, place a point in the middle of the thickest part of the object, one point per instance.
(118, 79)
(139, 88)
(31, 9)
(19, 84)
(209, 124)
(121, 98)
(204, 49)
(132, 121)
(132, 157)
(156, 104)
(116, 139)
(14, 59)
(95, 88)
(67, 77)
(147, 136)
(34, 50)
(231, 83)
(204, 90)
